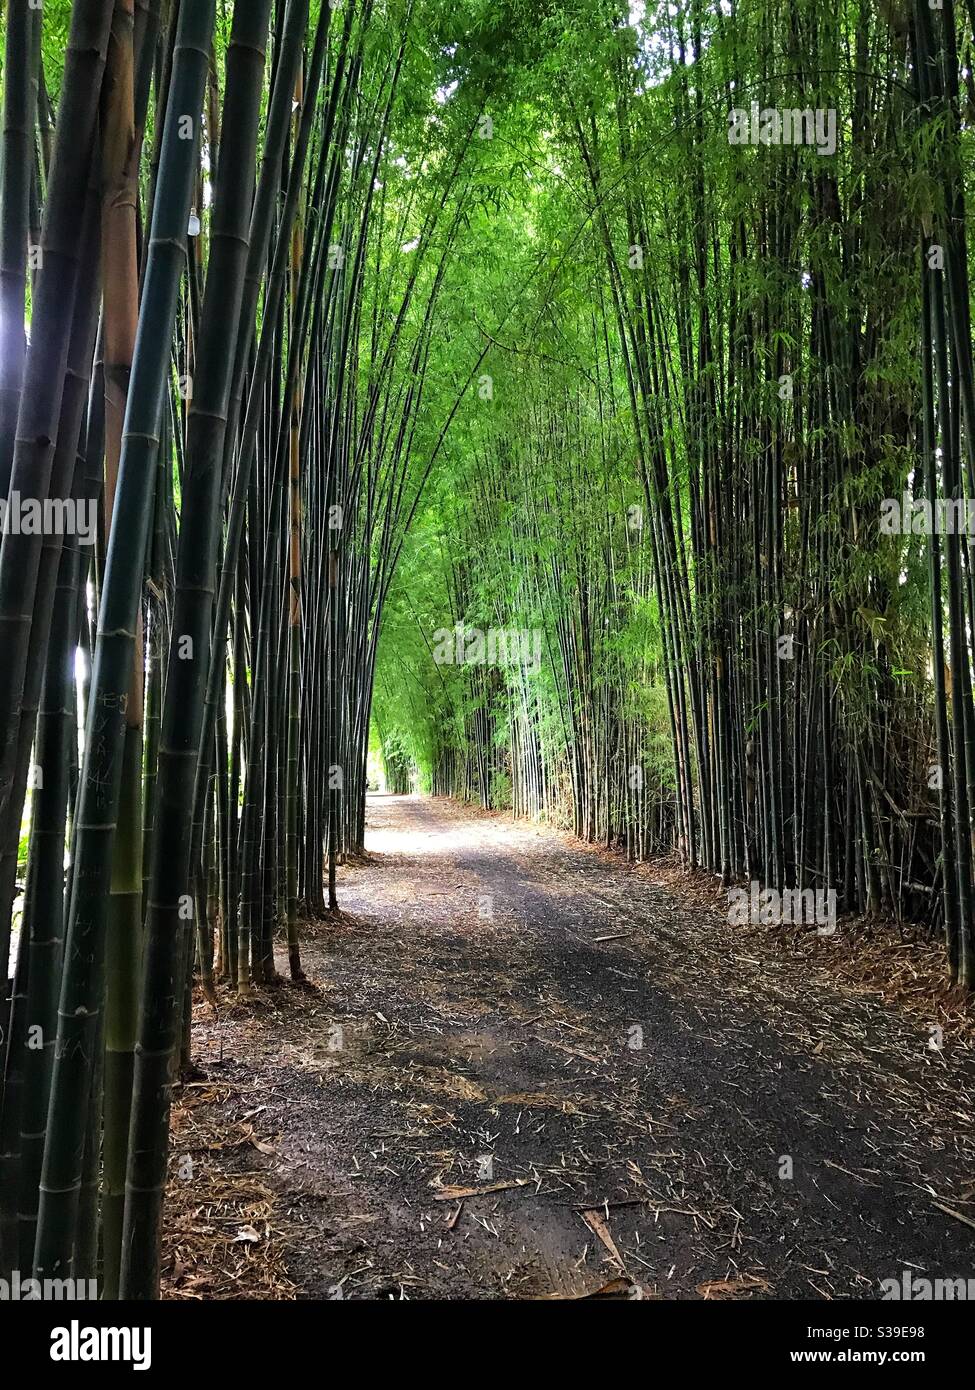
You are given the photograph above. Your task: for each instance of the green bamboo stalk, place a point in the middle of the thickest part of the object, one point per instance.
(52, 314)
(81, 1001)
(120, 324)
(44, 899)
(65, 469)
(171, 871)
(19, 103)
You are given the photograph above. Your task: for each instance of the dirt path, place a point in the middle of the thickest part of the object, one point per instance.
(471, 1027)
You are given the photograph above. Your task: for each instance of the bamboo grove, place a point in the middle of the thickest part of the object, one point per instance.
(231, 296)
(735, 364)
(360, 330)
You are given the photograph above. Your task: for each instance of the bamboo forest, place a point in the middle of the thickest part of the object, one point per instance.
(487, 655)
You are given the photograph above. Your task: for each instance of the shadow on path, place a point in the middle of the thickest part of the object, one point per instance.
(742, 1131)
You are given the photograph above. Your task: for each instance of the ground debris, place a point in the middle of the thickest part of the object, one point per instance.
(730, 1115)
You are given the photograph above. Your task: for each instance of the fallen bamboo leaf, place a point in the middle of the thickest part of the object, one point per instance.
(620, 1287)
(731, 1288)
(452, 1194)
(597, 1225)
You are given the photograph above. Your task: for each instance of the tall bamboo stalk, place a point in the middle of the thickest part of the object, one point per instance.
(82, 992)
